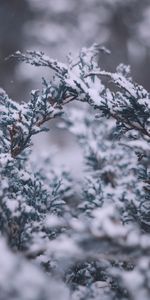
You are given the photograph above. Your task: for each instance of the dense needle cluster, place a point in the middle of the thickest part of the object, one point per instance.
(94, 242)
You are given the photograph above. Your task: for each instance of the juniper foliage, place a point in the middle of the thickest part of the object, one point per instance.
(95, 245)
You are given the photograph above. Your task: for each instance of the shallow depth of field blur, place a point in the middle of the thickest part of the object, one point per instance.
(58, 27)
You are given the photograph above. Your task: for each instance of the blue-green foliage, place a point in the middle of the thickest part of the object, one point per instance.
(95, 241)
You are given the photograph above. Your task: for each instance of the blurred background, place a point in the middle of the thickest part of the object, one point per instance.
(58, 27)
